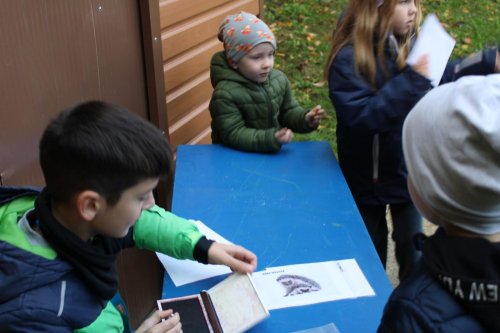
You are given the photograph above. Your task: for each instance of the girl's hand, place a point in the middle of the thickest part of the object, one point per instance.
(422, 66)
(154, 324)
(235, 257)
(314, 116)
(284, 135)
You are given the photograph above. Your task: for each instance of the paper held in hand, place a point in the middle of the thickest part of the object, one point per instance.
(434, 41)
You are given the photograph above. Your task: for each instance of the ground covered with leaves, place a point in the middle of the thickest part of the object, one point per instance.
(303, 29)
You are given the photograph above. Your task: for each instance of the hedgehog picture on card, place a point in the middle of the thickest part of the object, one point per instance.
(297, 284)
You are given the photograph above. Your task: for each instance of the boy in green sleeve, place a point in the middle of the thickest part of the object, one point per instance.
(58, 248)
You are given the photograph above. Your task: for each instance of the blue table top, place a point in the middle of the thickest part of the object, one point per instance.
(289, 208)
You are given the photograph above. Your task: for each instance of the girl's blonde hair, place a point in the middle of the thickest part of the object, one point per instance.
(364, 24)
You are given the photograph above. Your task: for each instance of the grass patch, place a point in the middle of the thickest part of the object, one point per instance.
(303, 29)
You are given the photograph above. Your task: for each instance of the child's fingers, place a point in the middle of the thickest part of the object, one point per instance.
(171, 324)
(281, 132)
(154, 324)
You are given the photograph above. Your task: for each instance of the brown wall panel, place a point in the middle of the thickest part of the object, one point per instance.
(190, 96)
(186, 66)
(184, 131)
(120, 55)
(203, 137)
(55, 54)
(181, 37)
(184, 9)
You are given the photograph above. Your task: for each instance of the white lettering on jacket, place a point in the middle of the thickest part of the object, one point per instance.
(472, 291)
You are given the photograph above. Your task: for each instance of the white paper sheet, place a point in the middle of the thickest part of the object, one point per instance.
(187, 271)
(434, 41)
(303, 284)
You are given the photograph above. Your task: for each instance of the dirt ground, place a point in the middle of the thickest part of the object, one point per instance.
(392, 266)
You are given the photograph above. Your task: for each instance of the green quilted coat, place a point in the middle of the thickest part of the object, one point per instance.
(245, 114)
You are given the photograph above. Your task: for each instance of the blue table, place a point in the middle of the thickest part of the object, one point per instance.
(289, 208)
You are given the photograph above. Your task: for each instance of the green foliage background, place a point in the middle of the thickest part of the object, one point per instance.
(303, 29)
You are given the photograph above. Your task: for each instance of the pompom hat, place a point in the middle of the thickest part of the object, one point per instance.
(240, 33)
(451, 143)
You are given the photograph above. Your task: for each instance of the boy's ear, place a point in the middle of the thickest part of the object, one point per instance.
(88, 204)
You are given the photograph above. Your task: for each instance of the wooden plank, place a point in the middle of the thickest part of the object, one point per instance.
(190, 33)
(184, 100)
(203, 138)
(184, 9)
(197, 121)
(189, 64)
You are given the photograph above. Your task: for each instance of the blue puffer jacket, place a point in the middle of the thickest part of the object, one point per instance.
(40, 292)
(422, 305)
(369, 123)
(453, 288)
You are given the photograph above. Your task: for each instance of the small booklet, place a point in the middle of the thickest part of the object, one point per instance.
(231, 306)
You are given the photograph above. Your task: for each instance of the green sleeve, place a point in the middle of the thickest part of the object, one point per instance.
(292, 115)
(161, 231)
(109, 320)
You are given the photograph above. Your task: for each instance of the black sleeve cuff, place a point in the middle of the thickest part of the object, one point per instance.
(200, 252)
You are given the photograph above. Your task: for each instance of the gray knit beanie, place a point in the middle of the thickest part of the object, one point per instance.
(451, 143)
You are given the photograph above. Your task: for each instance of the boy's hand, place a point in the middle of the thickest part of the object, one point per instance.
(284, 135)
(236, 257)
(314, 116)
(154, 324)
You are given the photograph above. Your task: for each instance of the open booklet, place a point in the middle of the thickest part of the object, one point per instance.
(231, 306)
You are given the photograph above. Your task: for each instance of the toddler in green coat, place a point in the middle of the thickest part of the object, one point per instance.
(252, 105)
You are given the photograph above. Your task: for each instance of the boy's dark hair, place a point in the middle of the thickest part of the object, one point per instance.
(101, 147)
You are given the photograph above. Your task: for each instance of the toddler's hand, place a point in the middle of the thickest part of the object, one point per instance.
(422, 66)
(284, 135)
(314, 116)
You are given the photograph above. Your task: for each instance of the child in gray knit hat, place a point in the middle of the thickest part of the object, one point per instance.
(252, 105)
(451, 143)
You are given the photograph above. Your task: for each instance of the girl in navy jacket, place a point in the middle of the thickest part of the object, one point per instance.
(372, 90)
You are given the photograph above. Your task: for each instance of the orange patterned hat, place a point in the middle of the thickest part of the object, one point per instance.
(240, 33)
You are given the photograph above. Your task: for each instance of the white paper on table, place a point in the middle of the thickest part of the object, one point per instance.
(434, 41)
(355, 278)
(186, 271)
(303, 284)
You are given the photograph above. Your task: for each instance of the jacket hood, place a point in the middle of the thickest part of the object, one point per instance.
(220, 71)
(21, 271)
